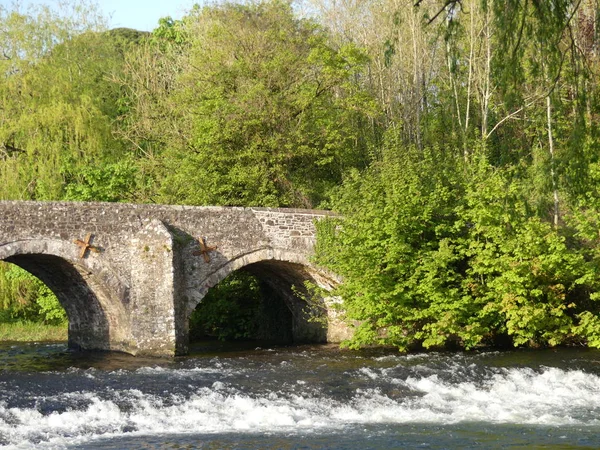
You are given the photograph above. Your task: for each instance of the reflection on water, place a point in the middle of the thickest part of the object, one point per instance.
(255, 396)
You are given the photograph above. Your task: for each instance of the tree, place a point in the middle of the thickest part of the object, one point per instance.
(59, 106)
(258, 110)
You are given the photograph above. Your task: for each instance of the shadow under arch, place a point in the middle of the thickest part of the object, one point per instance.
(94, 308)
(284, 274)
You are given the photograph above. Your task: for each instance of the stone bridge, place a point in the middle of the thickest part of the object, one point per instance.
(129, 276)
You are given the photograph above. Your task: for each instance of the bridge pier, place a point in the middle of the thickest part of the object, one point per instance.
(154, 292)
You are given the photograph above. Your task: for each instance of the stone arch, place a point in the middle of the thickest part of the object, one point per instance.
(280, 270)
(92, 295)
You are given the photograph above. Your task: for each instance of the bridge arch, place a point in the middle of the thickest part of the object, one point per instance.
(285, 274)
(91, 294)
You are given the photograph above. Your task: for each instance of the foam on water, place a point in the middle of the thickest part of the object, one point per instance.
(549, 396)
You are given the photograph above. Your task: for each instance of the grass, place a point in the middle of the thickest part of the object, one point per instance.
(32, 331)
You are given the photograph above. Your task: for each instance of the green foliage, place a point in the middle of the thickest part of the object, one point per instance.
(438, 253)
(24, 297)
(230, 310)
(396, 219)
(59, 104)
(110, 182)
(531, 278)
(49, 309)
(261, 109)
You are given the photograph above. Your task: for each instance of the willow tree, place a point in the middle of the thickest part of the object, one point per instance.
(37, 120)
(59, 105)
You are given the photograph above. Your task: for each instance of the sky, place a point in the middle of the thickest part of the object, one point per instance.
(142, 14)
(139, 14)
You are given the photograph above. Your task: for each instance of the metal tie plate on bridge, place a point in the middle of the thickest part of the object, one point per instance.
(204, 249)
(86, 245)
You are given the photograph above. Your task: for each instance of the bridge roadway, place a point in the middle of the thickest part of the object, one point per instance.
(129, 276)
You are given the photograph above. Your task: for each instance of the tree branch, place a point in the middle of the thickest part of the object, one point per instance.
(8, 149)
(511, 115)
(442, 9)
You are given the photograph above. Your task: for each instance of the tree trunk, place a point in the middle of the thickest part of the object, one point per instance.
(552, 165)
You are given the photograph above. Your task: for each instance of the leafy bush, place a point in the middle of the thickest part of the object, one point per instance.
(24, 297)
(437, 252)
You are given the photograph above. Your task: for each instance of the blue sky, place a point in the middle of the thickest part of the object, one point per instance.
(143, 14)
(138, 14)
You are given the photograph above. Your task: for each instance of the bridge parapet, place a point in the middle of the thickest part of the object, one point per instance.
(290, 228)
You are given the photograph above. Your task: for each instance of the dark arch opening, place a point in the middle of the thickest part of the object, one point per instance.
(77, 292)
(267, 301)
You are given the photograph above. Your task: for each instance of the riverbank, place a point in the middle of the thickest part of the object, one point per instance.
(26, 331)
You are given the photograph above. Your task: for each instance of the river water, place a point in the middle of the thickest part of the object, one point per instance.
(308, 397)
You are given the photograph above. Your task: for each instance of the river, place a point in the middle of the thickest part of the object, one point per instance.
(308, 397)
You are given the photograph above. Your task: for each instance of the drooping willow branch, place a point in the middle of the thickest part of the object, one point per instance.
(448, 3)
